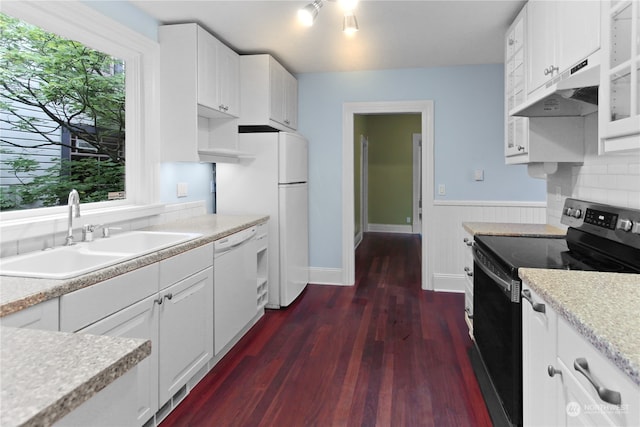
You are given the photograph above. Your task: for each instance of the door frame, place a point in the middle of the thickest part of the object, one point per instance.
(349, 109)
(416, 223)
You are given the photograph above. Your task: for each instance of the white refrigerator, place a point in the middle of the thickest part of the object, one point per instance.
(272, 180)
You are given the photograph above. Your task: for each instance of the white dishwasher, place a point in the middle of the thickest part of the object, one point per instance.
(234, 286)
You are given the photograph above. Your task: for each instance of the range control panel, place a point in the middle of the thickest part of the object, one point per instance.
(616, 223)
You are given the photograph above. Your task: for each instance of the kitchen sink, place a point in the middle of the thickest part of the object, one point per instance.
(71, 261)
(140, 242)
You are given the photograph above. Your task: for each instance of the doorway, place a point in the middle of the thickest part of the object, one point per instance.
(425, 109)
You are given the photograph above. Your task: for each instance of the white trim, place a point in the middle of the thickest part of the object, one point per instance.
(75, 20)
(390, 228)
(416, 225)
(516, 204)
(449, 282)
(425, 108)
(326, 276)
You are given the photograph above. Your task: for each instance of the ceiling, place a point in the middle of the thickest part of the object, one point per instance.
(393, 33)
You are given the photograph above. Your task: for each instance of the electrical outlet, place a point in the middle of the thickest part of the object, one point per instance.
(558, 193)
(442, 190)
(408, 220)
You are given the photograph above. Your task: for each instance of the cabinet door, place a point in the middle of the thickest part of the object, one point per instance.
(291, 100)
(137, 321)
(207, 70)
(228, 80)
(539, 390)
(276, 85)
(541, 42)
(185, 331)
(579, 31)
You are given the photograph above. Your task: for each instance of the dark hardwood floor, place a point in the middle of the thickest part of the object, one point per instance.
(381, 353)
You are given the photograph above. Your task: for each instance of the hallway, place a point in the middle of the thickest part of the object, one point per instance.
(382, 353)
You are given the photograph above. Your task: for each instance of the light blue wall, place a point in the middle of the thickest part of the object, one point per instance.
(468, 110)
(197, 176)
(126, 14)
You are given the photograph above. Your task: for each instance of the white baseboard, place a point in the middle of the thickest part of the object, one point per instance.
(327, 276)
(390, 228)
(449, 282)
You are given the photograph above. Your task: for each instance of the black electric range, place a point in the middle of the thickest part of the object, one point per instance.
(599, 238)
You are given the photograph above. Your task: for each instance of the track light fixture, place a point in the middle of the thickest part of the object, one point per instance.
(308, 14)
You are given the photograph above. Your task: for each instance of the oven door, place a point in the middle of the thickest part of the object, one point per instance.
(497, 328)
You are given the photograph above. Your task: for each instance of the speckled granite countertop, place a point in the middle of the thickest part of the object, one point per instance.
(17, 293)
(602, 307)
(512, 229)
(45, 375)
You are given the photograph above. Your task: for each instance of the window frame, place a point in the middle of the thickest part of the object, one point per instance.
(77, 21)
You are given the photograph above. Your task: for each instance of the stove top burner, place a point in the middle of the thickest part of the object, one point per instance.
(546, 252)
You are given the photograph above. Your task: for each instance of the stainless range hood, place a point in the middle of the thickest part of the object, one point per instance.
(571, 94)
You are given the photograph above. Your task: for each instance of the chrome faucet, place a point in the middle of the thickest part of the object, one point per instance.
(74, 200)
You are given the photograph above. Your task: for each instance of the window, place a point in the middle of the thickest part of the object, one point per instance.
(134, 58)
(62, 119)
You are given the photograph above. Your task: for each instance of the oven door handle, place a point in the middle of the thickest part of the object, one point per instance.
(506, 285)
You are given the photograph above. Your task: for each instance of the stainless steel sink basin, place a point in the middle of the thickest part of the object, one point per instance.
(140, 242)
(71, 261)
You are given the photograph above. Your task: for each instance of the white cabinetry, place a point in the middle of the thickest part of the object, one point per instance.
(566, 380)
(468, 273)
(169, 303)
(137, 321)
(559, 35)
(584, 370)
(534, 36)
(539, 394)
(40, 316)
(199, 95)
(619, 109)
(268, 93)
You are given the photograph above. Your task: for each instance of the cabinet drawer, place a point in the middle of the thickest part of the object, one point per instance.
(40, 316)
(181, 266)
(572, 346)
(88, 305)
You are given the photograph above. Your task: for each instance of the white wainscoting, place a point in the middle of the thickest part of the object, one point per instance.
(447, 246)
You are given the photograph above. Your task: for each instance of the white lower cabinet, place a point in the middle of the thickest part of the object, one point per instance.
(186, 331)
(538, 359)
(137, 321)
(468, 274)
(566, 380)
(169, 303)
(44, 316)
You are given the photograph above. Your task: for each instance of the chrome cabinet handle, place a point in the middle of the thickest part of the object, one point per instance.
(168, 296)
(581, 365)
(552, 69)
(468, 311)
(511, 42)
(467, 241)
(539, 307)
(553, 371)
(468, 271)
(158, 301)
(520, 148)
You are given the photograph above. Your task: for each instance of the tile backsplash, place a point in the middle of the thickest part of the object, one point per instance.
(612, 179)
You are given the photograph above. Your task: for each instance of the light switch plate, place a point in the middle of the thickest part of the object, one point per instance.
(182, 190)
(442, 190)
(478, 175)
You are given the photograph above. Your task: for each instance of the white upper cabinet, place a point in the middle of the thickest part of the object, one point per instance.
(560, 34)
(619, 109)
(516, 128)
(268, 93)
(199, 96)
